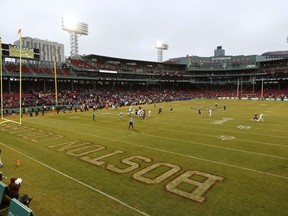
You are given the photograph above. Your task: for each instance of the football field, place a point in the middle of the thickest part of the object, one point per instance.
(173, 163)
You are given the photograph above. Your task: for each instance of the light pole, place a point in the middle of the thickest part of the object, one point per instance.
(160, 46)
(75, 29)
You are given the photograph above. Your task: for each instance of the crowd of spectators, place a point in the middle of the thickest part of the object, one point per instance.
(34, 69)
(131, 72)
(122, 97)
(106, 68)
(97, 63)
(91, 97)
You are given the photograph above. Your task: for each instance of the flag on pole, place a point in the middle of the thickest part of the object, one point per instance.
(55, 78)
(20, 75)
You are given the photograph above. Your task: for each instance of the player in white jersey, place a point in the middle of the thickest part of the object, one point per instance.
(261, 117)
(149, 113)
(210, 112)
(121, 115)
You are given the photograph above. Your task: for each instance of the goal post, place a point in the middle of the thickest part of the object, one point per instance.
(20, 78)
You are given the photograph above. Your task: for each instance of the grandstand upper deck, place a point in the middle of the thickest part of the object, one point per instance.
(111, 64)
(32, 69)
(189, 69)
(275, 69)
(196, 63)
(276, 55)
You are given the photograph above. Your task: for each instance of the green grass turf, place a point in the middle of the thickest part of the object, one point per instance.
(253, 162)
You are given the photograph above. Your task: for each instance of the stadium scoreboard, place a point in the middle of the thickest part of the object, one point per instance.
(12, 51)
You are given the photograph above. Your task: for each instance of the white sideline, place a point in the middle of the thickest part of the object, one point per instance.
(79, 182)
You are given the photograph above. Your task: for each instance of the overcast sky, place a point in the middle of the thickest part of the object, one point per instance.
(129, 28)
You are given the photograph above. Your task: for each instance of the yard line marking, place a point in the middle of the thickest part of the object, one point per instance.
(264, 143)
(253, 141)
(73, 179)
(256, 123)
(175, 153)
(220, 147)
(271, 144)
(222, 130)
(241, 132)
(161, 128)
(185, 141)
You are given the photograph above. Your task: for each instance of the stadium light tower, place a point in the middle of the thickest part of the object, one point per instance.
(160, 46)
(75, 29)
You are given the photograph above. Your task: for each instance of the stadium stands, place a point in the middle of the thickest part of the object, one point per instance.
(100, 79)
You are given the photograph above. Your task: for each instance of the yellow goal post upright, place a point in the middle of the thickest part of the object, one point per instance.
(55, 79)
(3, 119)
(20, 77)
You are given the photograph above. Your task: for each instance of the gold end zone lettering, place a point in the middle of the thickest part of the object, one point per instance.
(81, 151)
(97, 162)
(70, 145)
(31, 134)
(45, 138)
(202, 187)
(77, 148)
(184, 185)
(128, 161)
(139, 175)
(7, 127)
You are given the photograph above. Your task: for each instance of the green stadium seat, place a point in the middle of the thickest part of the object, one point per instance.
(4, 198)
(18, 208)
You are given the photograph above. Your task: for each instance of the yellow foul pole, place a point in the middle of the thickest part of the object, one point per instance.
(20, 76)
(55, 79)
